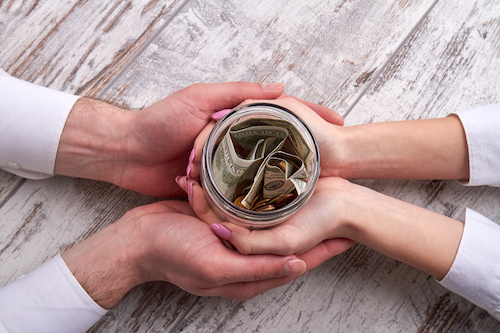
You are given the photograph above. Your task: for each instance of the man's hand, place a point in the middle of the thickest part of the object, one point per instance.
(164, 241)
(145, 150)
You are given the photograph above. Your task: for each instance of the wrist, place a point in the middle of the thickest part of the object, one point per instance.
(357, 153)
(106, 264)
(334, 150)
(408, 233)
(93, 140)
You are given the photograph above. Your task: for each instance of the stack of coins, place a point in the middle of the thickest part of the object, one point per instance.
(260, 204)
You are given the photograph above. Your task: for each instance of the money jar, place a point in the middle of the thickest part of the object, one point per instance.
(260, 165)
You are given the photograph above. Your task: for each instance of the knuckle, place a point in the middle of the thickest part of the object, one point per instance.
(287, 244)
(260, 273)
(242, 247)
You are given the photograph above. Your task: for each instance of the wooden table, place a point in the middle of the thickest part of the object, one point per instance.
(370, 60)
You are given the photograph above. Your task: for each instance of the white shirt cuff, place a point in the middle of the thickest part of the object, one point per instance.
(49, 299)
(475, 273)
(482, 130)
(33, 118)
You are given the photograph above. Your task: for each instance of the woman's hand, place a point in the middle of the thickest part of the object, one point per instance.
(327, 133)
(321, 221)
(341, 211)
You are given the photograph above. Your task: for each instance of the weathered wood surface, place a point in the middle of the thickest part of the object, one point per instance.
(75, 46)
(369, 60)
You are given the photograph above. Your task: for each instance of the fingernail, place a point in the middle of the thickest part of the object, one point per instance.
(188, 169)
(191, 190)
(294, 267)
(273, 86)
(220, 114)
(191, 156)
(178, 181)
(221, 231)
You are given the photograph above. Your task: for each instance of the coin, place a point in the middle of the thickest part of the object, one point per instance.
(261, 203)
(257, 198)
(238, 200)
(284, 200)
(266, 208)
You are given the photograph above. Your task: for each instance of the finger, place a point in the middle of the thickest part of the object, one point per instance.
(313, 119)
(284, 239)
(177, 206)
(234, 267)
(243, 291)
(324, 112)
(199, 203)
(194, 166)
(325, 250)
(227, 95)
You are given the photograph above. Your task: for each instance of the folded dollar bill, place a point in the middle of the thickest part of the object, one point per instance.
(261, 163)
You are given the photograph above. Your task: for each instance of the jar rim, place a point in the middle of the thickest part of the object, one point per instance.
(233, 212)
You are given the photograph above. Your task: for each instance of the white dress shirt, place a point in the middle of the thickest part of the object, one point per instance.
(50, 299)
(33, 119)
(475, 273)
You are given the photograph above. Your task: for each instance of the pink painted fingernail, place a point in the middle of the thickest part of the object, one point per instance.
(191, 156)
(221, 231)
(294, 267)
(191, 190)
(220, 114)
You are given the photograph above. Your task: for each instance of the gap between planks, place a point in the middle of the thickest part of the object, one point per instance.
(389, 60)
(108, 86)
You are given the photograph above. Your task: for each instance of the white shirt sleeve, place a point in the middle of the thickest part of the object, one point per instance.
(33, 118)
(482, 130)
(49, 299)
(475, 273)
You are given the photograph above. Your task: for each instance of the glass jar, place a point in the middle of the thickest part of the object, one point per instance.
(225, 208)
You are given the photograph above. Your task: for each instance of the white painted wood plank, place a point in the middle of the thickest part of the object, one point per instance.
(319, 49)
(76, 46)
(8, 182)
(170, 64)
(360, 290)
(450, 63)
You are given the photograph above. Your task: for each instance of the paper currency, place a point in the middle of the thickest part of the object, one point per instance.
(261, 164)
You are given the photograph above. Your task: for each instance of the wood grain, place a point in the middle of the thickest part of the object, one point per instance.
(312, 47)
(220, 43)
(370, 60)
(77, 46)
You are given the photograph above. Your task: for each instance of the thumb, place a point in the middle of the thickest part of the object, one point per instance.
(227, 95)
(255, 241)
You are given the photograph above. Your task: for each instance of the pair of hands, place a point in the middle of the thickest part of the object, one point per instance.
(145, 151)
(321, 219)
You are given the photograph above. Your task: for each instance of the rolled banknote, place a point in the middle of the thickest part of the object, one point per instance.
(261, 161)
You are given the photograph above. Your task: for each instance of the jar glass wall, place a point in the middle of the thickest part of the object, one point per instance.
(223, 206)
